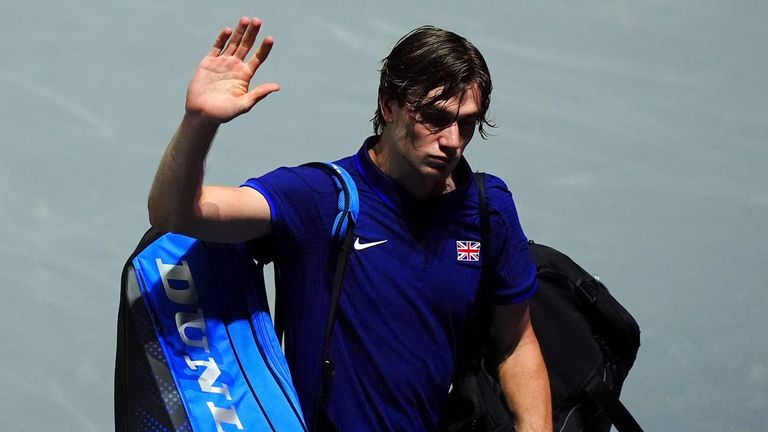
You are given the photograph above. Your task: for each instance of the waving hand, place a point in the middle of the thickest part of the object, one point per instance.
(219, 90)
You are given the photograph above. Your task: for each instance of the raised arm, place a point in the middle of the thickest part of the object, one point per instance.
(218, 92)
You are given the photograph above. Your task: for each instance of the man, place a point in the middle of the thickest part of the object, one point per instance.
(415, 269)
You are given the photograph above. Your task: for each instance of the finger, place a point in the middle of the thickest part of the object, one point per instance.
(260, 92)
(248, 39)
(220, 42)
(237, 36)
(261, 54)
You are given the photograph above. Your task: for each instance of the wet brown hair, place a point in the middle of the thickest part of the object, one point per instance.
(428, 58)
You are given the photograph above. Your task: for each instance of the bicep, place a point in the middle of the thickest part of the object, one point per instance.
(231, 214)
(510, 325)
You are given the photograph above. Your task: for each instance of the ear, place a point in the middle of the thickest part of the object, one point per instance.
(387, 107)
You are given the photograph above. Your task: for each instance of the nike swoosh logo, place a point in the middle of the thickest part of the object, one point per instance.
(361, 246)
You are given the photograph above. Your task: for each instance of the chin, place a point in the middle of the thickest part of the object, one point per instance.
(437, 173)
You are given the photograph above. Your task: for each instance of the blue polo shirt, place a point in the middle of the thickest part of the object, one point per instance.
(409, 284)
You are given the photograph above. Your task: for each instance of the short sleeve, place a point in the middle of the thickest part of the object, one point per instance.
(301, 202)
(513, 274)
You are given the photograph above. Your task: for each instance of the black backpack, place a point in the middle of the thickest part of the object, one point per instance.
(589, 342)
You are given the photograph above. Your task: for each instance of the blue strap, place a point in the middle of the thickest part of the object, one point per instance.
(348, 203)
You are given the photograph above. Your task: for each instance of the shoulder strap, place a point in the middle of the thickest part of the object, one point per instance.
(348, 201)
(343, 230)
(622, 419)
(348, 205)
(485, 235)
(485, 219)
(479, 323)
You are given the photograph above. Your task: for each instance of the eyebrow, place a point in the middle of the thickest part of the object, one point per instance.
(476, 115)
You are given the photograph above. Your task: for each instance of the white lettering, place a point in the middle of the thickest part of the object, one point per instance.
(180, 288)
(209, 376)
(221, 415)
(169, 272)
(186, 321)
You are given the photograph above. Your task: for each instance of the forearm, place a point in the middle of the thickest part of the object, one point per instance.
(525, 385)
(176, 189)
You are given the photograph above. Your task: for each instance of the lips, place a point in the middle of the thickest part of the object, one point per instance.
(441, 160)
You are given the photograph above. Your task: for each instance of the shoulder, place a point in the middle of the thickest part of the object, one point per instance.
(514, 272)
(501, 203)
(292, 179)
(494, 182)
(299, 197)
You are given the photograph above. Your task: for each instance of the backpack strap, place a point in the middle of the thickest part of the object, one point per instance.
(622, 419)
(485, 219)
(479, 321)
(483, 298)
(344, 231)
(483, 295)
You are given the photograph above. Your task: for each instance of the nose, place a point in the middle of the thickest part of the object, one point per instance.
(450, 138)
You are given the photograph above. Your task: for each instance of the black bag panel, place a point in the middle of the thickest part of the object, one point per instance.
(565, 339)
(598, 324)
(610, 321)
(146, 398)
(586, 336)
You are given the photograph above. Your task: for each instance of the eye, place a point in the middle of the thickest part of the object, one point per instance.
(438, 119)
(469, 122)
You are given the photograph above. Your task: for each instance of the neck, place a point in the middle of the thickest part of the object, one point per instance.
(419, 186)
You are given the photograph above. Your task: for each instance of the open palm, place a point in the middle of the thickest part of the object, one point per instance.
(219, 90)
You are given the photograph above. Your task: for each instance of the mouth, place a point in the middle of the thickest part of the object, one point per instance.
(440, 164)
(440, 160)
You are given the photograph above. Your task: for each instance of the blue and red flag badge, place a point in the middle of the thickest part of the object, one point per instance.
(467, 250)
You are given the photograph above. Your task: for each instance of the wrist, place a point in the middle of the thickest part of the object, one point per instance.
(200, 122)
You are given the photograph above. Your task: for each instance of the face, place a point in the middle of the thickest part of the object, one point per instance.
(429, 142)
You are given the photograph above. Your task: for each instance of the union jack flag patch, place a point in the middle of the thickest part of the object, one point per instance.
(467, 251)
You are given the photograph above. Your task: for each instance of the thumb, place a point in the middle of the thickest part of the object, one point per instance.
(260, 92)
